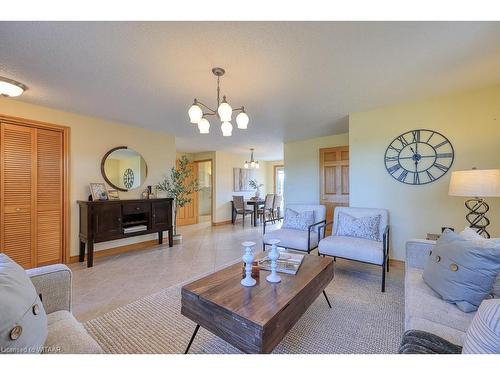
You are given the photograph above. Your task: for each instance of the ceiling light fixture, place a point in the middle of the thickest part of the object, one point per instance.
(224, 112)
(252, 164)
(11, 88)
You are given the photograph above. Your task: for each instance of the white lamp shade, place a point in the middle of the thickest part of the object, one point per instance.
(227, 129)
(225, 111)
(257, 166)
(242, 120)
(252, 164)
(204, 126)
(10, 89)
(246, 165)
(475, 183)
(195, 114)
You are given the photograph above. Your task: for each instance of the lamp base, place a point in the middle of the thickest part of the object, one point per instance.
(476, 217)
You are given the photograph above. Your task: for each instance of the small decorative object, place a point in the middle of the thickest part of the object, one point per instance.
(255, 270)
(419, 157)
(444, 228)
(274, 254)
(128, 178)
(255, 185)
(113, 194)
(477, 184)
(433, 236)
(150, 192)
(248, 260)
(145, 194)
(98, 191)
(180, 185)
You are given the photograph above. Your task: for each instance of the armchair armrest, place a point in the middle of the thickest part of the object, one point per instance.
(385, 241)
(310, 227)
(269, 220)
(53, 284)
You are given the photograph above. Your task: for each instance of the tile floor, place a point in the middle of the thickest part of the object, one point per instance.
(120, 279)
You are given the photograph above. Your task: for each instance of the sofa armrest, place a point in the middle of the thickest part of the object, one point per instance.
(53, 283)
(417, 252)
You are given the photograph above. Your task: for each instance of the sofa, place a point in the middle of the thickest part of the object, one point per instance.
(65, 333)
(424, 309)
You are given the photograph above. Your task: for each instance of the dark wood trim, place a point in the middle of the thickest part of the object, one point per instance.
(103, 172)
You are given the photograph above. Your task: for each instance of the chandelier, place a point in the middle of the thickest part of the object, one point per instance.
(223, 112)
(252, 163)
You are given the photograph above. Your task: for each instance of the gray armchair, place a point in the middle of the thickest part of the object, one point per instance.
(359, 249)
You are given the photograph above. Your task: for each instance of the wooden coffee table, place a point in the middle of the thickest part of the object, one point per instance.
(254, 319)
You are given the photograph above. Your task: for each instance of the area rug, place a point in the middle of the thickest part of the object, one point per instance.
(361, 320)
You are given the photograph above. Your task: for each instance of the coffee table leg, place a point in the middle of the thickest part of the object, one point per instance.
(194, 335)
(327, 301)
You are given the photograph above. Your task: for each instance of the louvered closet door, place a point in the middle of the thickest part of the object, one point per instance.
(17, 230)
(49, 213)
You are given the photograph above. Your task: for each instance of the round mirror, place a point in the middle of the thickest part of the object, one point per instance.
(123, 168)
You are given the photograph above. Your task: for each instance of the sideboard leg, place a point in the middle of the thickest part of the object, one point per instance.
(170, 238)
(90, 254)
(160, 237)
(81, 258)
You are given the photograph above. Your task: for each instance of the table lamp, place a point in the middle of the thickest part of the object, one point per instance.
(478, 184)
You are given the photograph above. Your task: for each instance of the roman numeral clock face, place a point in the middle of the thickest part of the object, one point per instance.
(419, 157)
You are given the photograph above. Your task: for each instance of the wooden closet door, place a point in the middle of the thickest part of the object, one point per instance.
(49, 197)
(17, 193)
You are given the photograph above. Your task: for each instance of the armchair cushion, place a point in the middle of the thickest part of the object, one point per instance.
(362, 212)
(353, 248)
(292, 238)
(298, 220)
(362, 227)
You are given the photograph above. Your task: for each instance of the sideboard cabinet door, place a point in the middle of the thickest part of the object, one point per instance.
(161, 215)
(107, 221)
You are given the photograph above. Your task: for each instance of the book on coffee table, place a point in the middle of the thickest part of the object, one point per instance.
(287, 263)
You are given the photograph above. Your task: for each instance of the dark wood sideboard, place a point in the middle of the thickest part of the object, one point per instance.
(102, 221)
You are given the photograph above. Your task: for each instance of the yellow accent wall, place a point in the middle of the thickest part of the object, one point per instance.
(471, 121)
(270, 175)
(90, 139)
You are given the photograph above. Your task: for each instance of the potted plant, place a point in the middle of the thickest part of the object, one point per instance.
(180, 185)
(255, 185)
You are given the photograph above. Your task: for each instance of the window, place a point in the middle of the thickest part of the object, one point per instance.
(279, 179)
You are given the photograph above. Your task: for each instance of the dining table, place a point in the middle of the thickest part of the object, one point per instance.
(255, 202)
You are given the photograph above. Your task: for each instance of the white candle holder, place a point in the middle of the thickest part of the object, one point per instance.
(274, 254)
(248, 259)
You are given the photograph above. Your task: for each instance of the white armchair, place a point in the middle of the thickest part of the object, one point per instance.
(295, 239)
(359, 249)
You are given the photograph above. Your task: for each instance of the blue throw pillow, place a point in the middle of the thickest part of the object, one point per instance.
(461, 271)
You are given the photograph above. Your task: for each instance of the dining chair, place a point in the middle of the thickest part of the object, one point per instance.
(239, 208)
(267, 209)
(276, 211)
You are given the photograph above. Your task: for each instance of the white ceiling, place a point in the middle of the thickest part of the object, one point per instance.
(296, 79)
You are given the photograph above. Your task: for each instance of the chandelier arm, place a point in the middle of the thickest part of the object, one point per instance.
(239, 109)
(209, 114)
(218, 92)
(206, 106)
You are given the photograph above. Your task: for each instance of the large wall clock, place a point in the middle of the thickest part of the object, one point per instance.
(128, 178)
(419, 157)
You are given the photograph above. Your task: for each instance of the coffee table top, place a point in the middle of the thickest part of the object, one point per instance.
(260, 303)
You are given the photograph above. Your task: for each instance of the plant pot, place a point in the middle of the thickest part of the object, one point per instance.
(178, 238)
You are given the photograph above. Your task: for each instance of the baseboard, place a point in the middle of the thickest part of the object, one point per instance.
(139, 246)
(221, 223)
(396, 263)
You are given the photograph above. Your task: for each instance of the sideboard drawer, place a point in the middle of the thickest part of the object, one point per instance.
(136, 208)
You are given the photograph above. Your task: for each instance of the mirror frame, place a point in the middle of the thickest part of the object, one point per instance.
(103, 173)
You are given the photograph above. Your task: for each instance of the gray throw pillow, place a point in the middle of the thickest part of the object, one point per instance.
(363, 227)
(23, 322)
(461, 271)
(483, 335)
(297, 220)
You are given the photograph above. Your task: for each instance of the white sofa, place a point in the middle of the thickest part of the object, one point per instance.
(359, 249)
(65, 333)
(294, 239)
(424, 308)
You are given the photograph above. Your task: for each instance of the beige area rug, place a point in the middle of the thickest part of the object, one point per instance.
(362, 320)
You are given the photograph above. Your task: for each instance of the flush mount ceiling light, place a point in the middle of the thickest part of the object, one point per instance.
(252, 164)
(11, 88)
(224, 112)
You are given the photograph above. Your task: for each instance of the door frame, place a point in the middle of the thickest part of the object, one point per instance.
(211, 187)
(274, 175)
(66, 211)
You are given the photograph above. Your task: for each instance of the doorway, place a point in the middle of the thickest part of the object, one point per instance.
(334, 179)
(205, 173)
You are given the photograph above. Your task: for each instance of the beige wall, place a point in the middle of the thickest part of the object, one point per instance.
(270, 175)
(302, 167)
(90, 139)
(471, 121)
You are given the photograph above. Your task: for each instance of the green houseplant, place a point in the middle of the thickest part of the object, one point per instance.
(180, 185)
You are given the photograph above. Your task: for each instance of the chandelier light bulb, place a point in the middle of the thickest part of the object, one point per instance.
(242, 120)
(204, 126)
(246, 165)
(257, 166)
(225, 111)
(252, 164)
(11, 88)
(227, 129)
(195, 113)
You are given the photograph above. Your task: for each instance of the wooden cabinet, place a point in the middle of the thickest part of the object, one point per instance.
(32, 192)
(102, 221)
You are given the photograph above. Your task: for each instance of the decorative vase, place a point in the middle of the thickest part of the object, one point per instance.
(274, 254)
(257, 193)
(248, 259)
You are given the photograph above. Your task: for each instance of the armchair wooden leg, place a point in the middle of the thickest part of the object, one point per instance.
(383, 277)
(387, 261)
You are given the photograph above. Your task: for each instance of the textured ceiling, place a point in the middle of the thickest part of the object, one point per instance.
(296, 79)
